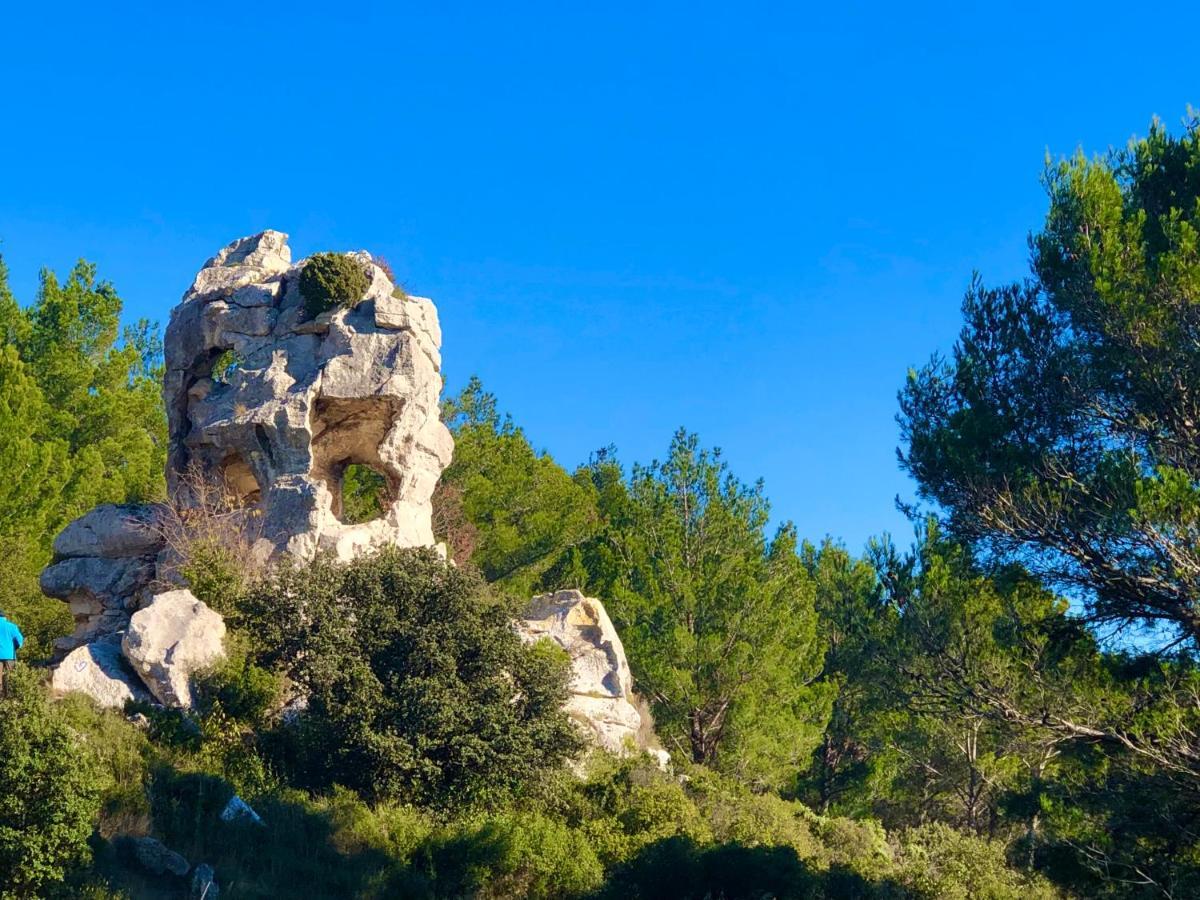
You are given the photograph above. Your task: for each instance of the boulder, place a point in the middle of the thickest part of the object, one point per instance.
(111, 531)
(168, 641)
(101, 592)
(602, 700)
(99, 670)
(158, 859)
(238, 810)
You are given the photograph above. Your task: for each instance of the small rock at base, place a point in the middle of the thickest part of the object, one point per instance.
(238, 809)
(154, 856)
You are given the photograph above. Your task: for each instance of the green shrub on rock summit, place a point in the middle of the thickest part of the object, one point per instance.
(332, 279)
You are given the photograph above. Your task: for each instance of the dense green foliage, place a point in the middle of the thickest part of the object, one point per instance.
(515, 510)
(625, 830)
(364, 494)
(417, 685)
(719, 620)
(331, 279)
(1064, 430)
(49, 796)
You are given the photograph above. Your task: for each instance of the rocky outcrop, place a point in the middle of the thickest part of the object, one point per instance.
(103, 563)
(602, 700)
(303, 398)
(99, 670)
(274, 404)
(171, 639)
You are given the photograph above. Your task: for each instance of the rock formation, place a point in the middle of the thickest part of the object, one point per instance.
(157, 858)
(103, 562)
(274, 404)
(303, 398)
(99, 670)
(602, 700)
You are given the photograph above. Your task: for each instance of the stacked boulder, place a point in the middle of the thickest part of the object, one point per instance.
(103, 564)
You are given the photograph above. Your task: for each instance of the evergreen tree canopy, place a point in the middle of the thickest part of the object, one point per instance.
(1065, 429)
(524, 509)
(717, 619)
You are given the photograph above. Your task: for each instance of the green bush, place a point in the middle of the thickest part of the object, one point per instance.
(364, 494)
(122, 754)
(241, 689)
(213, 574)
(331, 279)
(49, 791)
(419, 689)
(938, 861)
(514, 855)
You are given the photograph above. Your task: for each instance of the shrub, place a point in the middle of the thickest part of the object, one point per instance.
(331, 279)
(122, 755)
(225, 365)
(938, 861)
(49, 791)
(515, 855)
(212, 573)
(419, 688)
(211, 528)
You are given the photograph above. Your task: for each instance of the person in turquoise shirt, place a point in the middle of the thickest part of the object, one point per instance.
(11, 640)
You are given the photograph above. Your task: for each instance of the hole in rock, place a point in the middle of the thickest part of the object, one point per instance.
(347, 434)
(238, 479)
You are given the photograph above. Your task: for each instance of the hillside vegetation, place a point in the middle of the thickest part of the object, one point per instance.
(1008, 708)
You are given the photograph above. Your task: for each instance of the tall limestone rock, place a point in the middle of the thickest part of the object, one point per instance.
(302, 398)
(602, 701)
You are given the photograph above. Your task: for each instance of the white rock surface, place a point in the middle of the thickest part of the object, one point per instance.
(602, 699)
(308, 398)
(172, 638)
(98, 670)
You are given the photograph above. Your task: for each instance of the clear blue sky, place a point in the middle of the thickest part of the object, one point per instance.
(746, 219)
